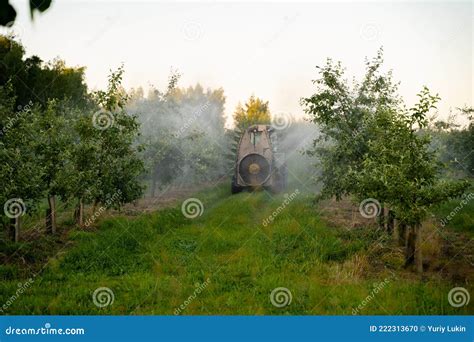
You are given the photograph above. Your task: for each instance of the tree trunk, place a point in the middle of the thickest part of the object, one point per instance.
(390, 222)
(79, 213)
(410, 247)
(51, 215)
(381, 217)
(418, 252)
(402, 234)
(413, 253)
(15, 226)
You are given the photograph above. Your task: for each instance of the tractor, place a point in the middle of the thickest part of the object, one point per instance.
(258, 164)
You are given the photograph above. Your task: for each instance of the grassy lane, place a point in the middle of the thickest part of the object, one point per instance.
(228, 262)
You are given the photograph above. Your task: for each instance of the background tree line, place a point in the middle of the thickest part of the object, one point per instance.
(183, 134)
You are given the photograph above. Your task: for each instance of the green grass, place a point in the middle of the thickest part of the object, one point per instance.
(460, 212)
(153, 262)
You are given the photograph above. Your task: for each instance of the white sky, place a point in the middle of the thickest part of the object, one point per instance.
(266, 49)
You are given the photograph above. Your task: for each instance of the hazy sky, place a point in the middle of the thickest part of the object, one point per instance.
(266, 49)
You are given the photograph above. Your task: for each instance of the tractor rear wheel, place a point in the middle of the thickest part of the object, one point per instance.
(235, 188)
